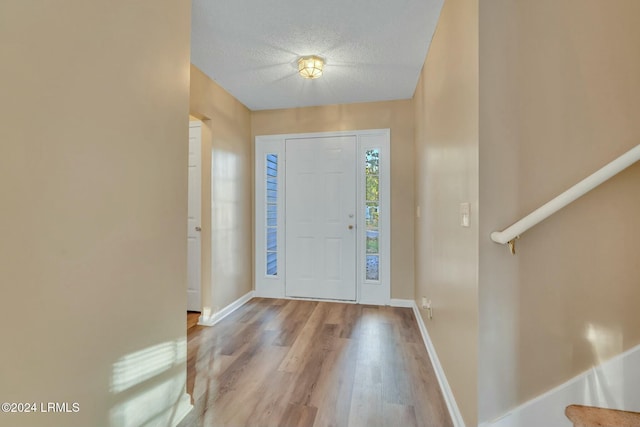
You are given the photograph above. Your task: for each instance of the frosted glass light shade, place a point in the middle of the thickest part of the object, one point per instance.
(310, 67)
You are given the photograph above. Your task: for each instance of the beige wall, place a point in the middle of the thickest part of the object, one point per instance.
(227, 167)
(396, 115)
(93, 190)
(560, 97)
(446, 109)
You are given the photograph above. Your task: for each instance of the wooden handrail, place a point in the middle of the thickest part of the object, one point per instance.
(591, 416)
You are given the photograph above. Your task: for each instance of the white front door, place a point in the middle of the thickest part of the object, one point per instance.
(321, 217)
(193, 219)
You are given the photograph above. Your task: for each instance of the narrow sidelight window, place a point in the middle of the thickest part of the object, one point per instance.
(372, 209)
(271, 212)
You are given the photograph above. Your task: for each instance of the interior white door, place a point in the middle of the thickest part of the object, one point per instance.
(320, 211)
(194, 273)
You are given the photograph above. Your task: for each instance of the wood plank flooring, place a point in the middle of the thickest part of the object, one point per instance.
(192, 319)
(285, 363)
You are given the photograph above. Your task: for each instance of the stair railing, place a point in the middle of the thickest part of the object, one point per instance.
(513, 232)
(591, 416)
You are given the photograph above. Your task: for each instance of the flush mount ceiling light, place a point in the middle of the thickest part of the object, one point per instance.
(310, 67)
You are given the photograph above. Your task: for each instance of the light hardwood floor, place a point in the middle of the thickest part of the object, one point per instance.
(285, 363)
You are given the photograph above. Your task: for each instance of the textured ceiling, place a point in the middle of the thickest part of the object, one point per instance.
(374, 49)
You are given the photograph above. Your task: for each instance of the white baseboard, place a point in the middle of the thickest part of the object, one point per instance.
(221, 314)
(184, 407)
(406, 303)
(449, 398)
(613, 384)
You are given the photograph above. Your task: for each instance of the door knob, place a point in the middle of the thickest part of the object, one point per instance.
(198, 229)
(350, 227)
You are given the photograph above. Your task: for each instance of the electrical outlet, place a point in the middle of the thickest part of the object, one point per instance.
(426, 304)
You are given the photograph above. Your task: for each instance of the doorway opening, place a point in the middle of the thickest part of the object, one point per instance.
(194, 218)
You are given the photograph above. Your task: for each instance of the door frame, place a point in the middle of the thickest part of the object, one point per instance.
(273, 286)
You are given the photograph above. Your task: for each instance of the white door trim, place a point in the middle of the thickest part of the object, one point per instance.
(268, 286)
(378, 292)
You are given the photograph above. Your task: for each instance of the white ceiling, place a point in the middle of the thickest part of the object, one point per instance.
(374, 49)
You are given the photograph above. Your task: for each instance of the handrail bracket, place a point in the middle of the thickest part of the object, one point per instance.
(512, 245)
